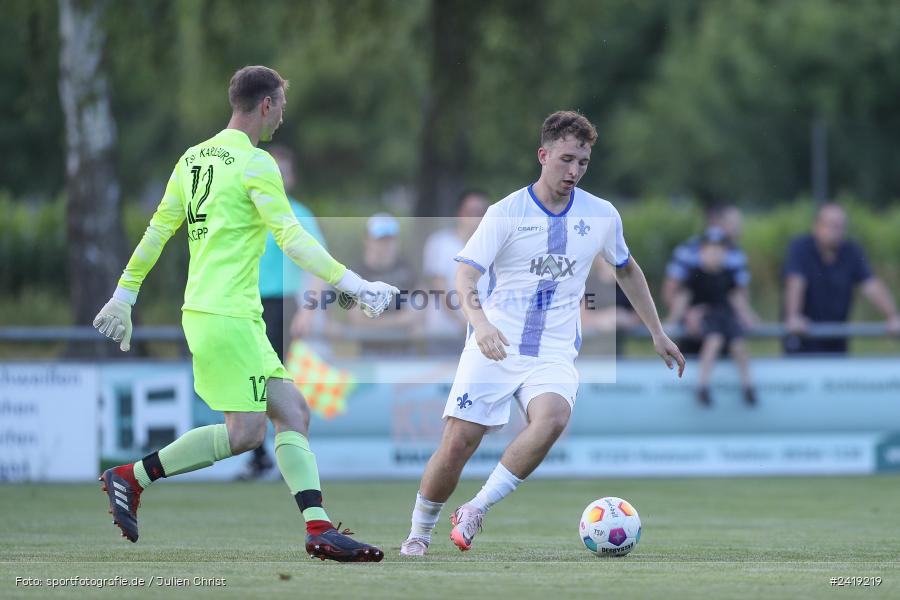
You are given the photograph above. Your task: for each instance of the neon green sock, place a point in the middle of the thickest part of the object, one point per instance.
(140, 473)
(297, 464)
(196, 449)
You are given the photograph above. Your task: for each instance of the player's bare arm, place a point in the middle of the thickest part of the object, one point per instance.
(632, 281)
(490, 339)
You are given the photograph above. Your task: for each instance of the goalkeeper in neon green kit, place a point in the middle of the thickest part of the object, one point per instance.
(230, 192)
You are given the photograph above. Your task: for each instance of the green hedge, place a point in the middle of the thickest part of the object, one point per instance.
(32, 253)
(32, 246)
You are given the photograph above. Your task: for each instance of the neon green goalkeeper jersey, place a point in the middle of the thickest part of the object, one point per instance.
(230, 193)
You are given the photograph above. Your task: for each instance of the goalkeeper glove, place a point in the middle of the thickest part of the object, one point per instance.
(114, 319)
(373, 296)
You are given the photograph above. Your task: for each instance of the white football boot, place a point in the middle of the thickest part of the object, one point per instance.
(414, 546)
(466, 521)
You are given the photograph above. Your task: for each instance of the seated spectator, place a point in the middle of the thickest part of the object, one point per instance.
(381, 261)
(605, 310)
(821, 271)
(686, 256)
(439, 270)
(713, 287)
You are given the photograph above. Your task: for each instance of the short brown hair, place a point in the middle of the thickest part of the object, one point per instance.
(568, 122)
(251, 84)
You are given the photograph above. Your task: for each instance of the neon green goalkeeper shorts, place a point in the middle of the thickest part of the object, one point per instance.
(233, 360)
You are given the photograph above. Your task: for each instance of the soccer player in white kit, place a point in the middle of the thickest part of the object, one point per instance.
(536, 246)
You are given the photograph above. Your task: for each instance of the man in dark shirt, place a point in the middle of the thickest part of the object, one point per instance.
(821, 272)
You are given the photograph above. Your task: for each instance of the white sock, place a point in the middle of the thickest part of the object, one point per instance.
(425, 516)
(499, 485)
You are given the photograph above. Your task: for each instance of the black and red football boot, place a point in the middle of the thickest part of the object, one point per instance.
(337, 545)
(124, 493)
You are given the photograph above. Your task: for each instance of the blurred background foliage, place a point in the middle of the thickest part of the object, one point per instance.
(695, 102)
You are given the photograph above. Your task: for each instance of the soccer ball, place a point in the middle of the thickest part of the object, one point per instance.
(610, 527)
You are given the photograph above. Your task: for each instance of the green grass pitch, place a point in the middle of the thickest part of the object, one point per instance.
(702, 538)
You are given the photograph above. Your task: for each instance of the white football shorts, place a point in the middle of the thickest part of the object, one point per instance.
(483, 389)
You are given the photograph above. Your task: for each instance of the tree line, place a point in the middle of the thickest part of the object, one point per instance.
(714, 99)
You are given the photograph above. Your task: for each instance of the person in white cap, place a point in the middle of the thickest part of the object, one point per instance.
(381, 254)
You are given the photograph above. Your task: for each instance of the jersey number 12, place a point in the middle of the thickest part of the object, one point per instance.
(195, 216)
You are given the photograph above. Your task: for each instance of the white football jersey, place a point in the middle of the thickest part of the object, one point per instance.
(537, 263)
